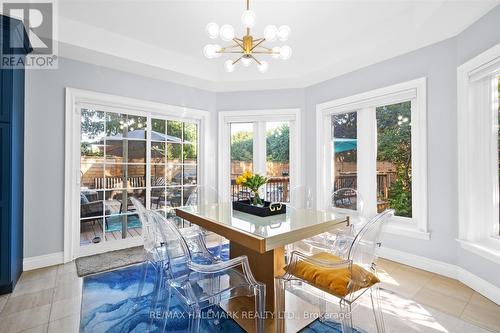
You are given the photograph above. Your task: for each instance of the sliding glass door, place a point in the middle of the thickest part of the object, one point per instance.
(132, 154)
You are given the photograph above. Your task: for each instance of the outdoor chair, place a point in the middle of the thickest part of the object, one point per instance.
(91, 208)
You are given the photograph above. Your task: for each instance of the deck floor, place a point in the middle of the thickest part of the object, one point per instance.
(89, 230)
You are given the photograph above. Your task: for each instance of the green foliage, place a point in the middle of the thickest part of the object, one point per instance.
(242, 146)
(278, 144)
(86, 150)
(394, 145)
(254, 183)
(400, 198)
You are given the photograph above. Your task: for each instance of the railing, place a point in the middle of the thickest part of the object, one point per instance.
(277, 190)
(384, 182)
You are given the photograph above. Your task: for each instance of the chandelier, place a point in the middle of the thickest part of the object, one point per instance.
(248, 48)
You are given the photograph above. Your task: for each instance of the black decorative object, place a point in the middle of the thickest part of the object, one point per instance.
(268, 209)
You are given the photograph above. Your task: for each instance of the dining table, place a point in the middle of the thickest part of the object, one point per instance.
(262, 239)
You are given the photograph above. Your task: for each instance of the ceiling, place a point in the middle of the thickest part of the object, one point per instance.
(328, 38)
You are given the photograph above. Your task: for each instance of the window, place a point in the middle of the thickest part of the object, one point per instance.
(277, 157)
(478, 154)
(376, 146)
(117, 148)
(394, 174)
(241, 157)
(113, 167)
(345, 144)
(263, 142)
(278, 161)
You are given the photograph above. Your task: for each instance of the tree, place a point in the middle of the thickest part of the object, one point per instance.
(242, 146)
(278, 144)
(394, 145)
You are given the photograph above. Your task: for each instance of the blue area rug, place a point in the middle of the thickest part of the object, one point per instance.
(110, 305)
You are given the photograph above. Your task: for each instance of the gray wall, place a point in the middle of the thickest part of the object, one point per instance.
(44, 135)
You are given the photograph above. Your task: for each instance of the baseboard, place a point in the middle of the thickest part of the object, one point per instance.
(480, 285)
(45, 260)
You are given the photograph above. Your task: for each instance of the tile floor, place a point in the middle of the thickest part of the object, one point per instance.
(48, 300)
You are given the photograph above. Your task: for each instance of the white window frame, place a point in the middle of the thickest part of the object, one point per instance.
(478, 199)
(365, 104)
(259, 118)
(75, 100)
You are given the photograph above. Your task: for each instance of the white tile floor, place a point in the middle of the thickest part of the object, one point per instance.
(48, 300)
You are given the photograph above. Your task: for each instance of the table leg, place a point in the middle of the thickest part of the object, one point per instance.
(264, 266)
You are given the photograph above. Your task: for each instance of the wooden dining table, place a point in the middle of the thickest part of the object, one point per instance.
(261, 239)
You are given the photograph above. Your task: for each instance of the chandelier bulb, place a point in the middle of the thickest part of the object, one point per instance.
(229, 66)
(246, 61)
(212, 30)
(263, 67)
(284, 33)
(248, 19)
(217, 49)
(211, 51)
(226, 32)
(270, 33)
(285, 52)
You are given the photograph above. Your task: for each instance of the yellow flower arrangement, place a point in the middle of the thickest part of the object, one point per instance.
(242, 179)
(253, 182)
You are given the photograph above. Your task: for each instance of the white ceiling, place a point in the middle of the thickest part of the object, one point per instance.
(328, 37)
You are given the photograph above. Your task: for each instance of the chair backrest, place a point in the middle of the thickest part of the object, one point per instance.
(149, 233)
(300, 197)
(363, 250)
(175, 247)
(203, 195)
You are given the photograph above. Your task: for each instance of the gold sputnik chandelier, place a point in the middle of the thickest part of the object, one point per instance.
(248, 47)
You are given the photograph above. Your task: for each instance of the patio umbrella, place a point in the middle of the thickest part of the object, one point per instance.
(141, 134)
(341, 144)
(116, 148)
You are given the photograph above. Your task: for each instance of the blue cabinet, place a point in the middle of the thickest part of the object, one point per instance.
(11, 160)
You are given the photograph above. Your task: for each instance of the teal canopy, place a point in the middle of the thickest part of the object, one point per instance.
(341, 144)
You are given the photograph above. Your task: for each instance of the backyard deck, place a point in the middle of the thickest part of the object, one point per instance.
(89, 230)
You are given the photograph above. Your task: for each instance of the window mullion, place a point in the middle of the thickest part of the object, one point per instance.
(367, 159)
(149, 128)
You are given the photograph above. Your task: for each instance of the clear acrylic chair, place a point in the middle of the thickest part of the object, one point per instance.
(154, 254)
(344, 277)
(199, 284)
(338, 240)
(207, 195)
(300, 197)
